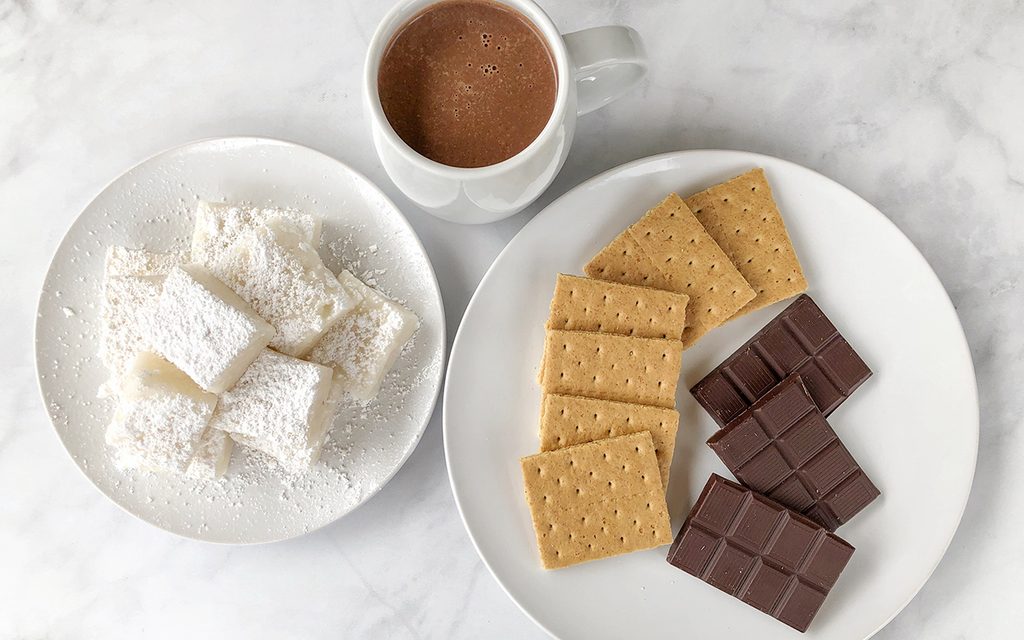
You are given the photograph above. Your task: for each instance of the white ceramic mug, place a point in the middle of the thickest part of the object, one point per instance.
(594, 67)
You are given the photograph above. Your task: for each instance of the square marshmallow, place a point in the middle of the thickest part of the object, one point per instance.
(280, 406)
(364, 345)
(204, 329)
(283, 278)
(218, 225)
(160, 417)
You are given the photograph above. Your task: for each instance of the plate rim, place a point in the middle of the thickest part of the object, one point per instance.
(251, 140)
(740, 155)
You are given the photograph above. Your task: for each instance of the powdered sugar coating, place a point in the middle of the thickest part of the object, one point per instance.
(160, 416)
(133, 279)
(279, 406)
(283, 278)
(122, 261)
(213, 454)
(218, 225)
(363, 346)
(128, 301)
(204, 329)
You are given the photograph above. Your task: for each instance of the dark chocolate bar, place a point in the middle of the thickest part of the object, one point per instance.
(755, 549)
(784, 448)
(799, 340)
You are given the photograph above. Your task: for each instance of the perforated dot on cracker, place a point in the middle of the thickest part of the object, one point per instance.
(742, 217)
(596, 500)
(610, 367)
(570, 420)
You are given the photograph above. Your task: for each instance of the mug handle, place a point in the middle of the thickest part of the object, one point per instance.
(608, 62)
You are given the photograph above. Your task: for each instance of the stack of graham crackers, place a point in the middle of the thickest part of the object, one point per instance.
(612, 358)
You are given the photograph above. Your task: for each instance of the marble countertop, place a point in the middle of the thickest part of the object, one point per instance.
(917, 106)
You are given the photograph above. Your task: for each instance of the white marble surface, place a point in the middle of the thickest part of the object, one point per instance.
(917, 106)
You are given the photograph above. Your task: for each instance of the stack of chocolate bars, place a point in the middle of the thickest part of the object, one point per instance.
(770, 541)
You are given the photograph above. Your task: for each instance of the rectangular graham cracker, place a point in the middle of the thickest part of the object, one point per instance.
(689, 261)
(596, 500)
(566, 421)
(742, 217)
(610, 367)
(586, 304)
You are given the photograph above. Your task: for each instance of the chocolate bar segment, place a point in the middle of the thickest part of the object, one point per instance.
(801, 340)
(755, 549)
(784, 448)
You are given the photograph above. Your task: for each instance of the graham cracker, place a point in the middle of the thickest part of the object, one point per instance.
(676, 254)
(624, 261)
(585, 304)
(694, 264)
(569, 420)
(743, 219)
(596, 500)
(610, 367)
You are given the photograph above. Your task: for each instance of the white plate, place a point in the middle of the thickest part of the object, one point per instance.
(913, 426)
(152, 206)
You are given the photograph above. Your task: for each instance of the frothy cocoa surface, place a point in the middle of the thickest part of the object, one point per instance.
(467, 83)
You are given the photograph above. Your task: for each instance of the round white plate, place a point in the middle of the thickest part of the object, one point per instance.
(913, 426)
(151, 206)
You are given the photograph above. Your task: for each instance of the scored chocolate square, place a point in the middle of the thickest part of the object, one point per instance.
(757, 550)
(783, 447)
(801, 340)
